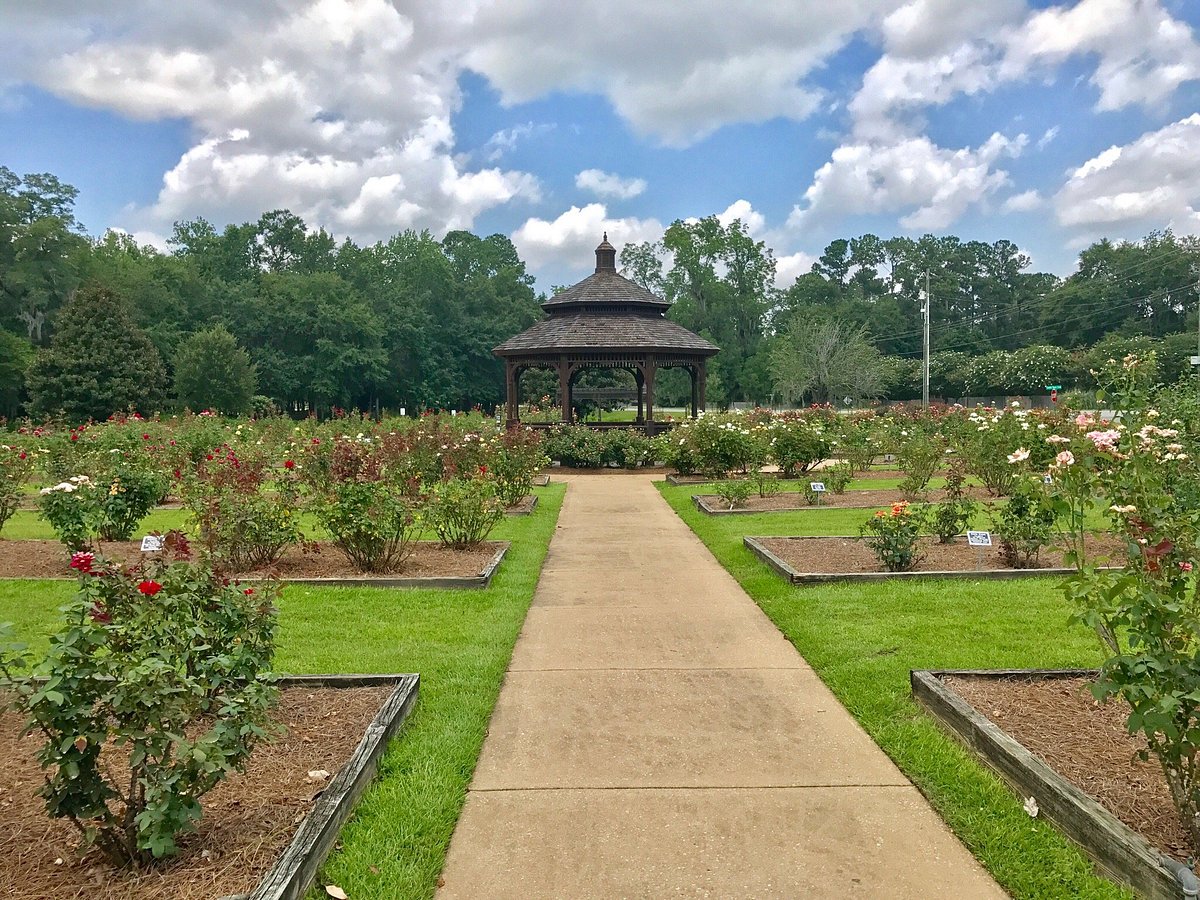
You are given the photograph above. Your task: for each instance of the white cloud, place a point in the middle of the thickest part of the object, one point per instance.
(671, 73)
(1143, 52)
(1050, 134)
(932, 185)
(1023, 202)
(506, 139)
(742, 210)
(790, 267)
(571, 238)
(1151, 181)
(338, 109)
(606, 184)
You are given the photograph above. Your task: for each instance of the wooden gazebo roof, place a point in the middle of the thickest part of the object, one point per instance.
(606, 311)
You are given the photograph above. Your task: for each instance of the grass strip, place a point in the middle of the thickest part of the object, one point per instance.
(863, 639)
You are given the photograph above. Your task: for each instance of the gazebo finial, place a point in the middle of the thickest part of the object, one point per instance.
(606, 256)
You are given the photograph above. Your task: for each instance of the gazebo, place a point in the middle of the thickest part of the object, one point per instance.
(606, 321)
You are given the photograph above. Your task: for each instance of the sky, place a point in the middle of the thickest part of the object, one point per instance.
(1047, 124)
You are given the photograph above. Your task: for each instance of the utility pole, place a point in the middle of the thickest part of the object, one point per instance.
(925, 380)
(1196, 358)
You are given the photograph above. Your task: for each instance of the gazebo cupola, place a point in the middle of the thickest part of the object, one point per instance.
(606, 321)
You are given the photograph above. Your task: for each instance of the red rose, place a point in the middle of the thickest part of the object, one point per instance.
(21, 455)
(149, 588)
(177, 474)
(83, 562)
(289, 464)
(209, 457)
(483, 470)
(248, 591)
(145, 437)
(74, 436)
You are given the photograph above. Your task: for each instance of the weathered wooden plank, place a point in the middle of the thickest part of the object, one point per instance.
(1118, 851)
(754, 544)
(296, 869)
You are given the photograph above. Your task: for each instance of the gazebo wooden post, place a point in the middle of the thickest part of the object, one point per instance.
(650, 371)
(641, 382)
(695, 373)
(564, 389)
(512, 387)
(702, 383)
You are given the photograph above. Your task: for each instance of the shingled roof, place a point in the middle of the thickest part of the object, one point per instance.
(606, 311)
(621, 331)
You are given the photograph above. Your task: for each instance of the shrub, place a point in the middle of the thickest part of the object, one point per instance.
(893, 537)
(953, 514)
(718, 444)
(1145, 469)
(919, 455)
(159, 679)
(16, 465)
(243, 507)
(858, 443)
(576, 446)
(518, 456)
(625, 447)
(811, 497)
(797, 444)
(838, 477)
(1025, 524)
(765, 483)
(463, 511)
(369, 507)
(735, 493)
(82, 510)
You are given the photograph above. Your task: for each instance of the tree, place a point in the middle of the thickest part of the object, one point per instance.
(825, 360)
(213, 372)
(98, 362)
(40, 251)
(15, 356)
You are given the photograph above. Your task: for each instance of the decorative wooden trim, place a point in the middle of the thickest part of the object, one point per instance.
(755, 546)
(296, 868)
(1118, 851)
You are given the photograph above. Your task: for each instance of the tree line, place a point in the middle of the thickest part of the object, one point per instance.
(292, 315)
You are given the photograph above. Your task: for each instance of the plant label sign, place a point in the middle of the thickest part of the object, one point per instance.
(817, 487)
(979, 538)
(152, 543)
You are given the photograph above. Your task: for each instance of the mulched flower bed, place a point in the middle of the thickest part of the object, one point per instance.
(248, 820)
(48, 559)
(1085, 742)
(851, 499)
(850, 555)
(522, 507)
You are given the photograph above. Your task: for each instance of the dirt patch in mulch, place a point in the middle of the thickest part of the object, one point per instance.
(831, 555)
(1060, 721)
(248, 820)
(864, 499)
(430, 559)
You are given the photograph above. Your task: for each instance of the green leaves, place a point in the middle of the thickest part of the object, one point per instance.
(148, 707)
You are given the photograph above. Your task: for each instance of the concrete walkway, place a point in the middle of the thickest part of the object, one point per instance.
(657, 736)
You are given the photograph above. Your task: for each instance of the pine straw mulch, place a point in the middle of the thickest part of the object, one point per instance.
(48, 559)
(834, 555)
(851, 499)
(248, 820)
(1060, 721)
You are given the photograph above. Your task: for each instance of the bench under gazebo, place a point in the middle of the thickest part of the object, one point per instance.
(606, 321)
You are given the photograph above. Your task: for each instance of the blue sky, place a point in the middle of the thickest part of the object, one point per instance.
(1048, 124)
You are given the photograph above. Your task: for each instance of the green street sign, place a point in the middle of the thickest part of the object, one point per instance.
(1054, 387)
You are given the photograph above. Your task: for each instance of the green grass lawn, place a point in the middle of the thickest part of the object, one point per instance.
(459, 641)
(864, 639)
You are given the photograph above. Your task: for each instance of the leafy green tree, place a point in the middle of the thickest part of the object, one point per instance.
(213, 372)
(16, 354)
(826, 360)
(98, 362)
(40, 251)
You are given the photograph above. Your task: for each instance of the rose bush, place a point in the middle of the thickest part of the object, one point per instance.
(155, 689)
